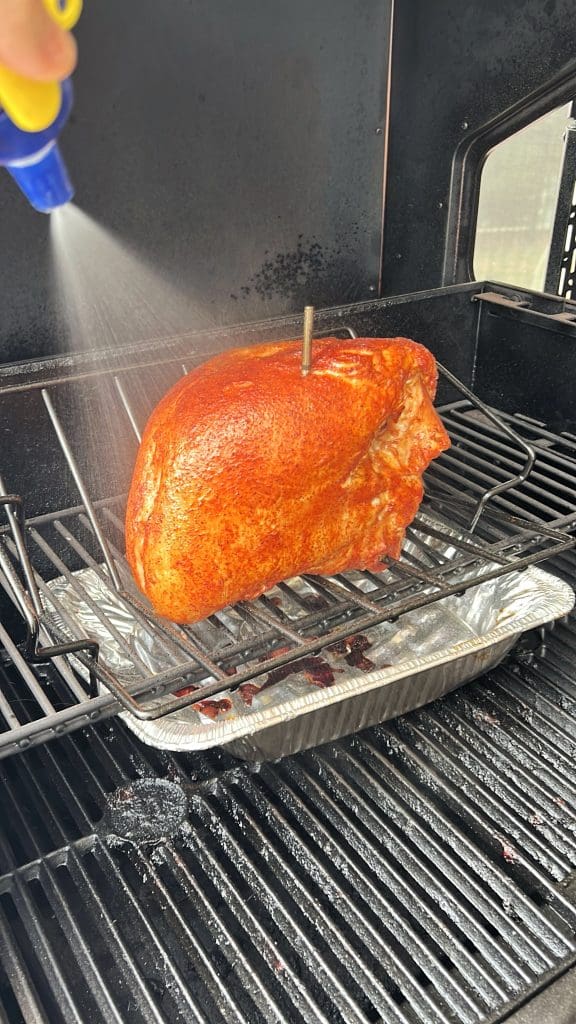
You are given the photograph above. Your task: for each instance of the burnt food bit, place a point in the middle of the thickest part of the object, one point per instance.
(353, 649)
(212, 708)
(316, 669)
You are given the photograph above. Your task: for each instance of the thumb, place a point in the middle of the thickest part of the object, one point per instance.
(32, 44)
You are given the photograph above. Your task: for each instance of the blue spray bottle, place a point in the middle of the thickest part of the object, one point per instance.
(32, 115)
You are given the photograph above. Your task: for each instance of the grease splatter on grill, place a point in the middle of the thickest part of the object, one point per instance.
(185, 691)
(148, 810)
(316, 669)
(508, 852)
(315, 602)
(353, 648)
(212, 708)
(248, 691)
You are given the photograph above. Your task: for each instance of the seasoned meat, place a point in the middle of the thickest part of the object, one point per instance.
(249, 473)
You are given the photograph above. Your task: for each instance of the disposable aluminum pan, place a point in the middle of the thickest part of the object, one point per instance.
(386, 671)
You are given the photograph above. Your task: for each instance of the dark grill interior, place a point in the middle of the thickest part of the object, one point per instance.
(420, 871)
(234, 163)
(415, 872)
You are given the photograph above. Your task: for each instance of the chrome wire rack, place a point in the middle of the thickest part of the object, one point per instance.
(502, 494)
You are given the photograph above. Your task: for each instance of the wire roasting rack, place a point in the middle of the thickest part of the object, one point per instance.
(471, 496)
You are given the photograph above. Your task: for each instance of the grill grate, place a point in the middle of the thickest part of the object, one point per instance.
(550, 491)
(412, 873)
(259, 635)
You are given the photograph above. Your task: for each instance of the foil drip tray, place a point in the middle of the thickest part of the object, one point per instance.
(367, 678)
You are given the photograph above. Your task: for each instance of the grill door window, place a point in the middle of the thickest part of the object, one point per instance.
(522, 227)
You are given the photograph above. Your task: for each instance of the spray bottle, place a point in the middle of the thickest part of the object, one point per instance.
(32, 115)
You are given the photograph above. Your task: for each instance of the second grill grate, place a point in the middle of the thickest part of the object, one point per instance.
(257, 637)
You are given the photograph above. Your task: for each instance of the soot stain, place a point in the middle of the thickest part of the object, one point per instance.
(291, 273)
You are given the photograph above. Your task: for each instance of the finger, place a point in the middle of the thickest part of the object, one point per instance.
(32, 44)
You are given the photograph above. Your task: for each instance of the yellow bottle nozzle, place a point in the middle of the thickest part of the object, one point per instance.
(64, 12)
(31, 105)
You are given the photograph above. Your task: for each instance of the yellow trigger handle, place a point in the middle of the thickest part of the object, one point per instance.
(32, 106)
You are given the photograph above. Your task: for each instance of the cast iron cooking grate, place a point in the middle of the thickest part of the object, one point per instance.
(417, 873)
(523, 513)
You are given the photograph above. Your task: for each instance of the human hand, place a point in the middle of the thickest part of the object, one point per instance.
(32, 44)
